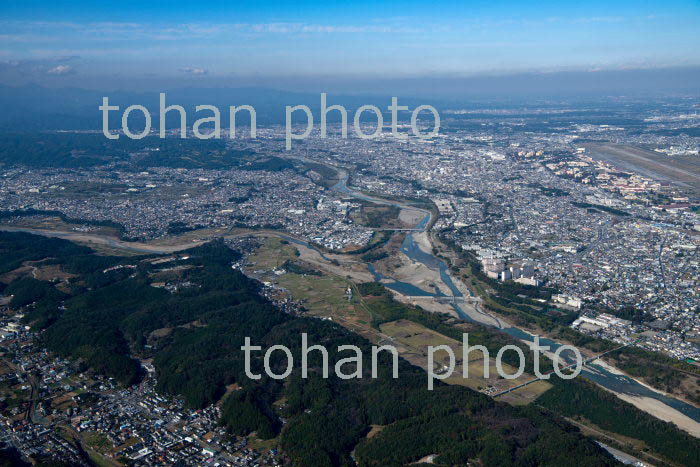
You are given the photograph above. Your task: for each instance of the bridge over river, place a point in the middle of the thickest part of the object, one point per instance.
(448, 300)
(547, 375)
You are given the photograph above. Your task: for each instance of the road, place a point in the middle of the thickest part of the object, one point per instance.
(546, 376)
(602, 235)
(34, 383)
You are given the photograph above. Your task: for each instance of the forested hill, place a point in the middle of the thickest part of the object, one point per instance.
(108, 310)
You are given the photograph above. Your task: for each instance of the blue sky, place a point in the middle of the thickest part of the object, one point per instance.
(84, 42)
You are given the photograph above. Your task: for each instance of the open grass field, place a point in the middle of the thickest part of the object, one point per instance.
(374, 216)
(37, 270)
(416, 338)
(322, 295)
(97, 441)
(325, 296)
(272, 254)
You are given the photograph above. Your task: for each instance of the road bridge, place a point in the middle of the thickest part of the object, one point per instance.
(449, 300)
(547, 375)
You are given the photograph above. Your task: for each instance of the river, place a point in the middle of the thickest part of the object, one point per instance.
(617, 383)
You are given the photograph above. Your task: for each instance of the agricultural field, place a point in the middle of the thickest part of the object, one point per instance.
(416, 338)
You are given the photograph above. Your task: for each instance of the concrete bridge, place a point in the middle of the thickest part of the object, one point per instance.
(546, 375)
(454, 300)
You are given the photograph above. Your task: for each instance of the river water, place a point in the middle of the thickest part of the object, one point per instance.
(617, 383)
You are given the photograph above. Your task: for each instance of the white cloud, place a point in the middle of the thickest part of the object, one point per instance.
(194, 70)
(301, 28)
(60, 70)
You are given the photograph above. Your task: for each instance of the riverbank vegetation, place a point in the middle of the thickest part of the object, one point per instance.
(523, 305)
(581, 399)
(210, 308)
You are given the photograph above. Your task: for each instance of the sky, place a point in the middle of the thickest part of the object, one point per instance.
(130, 44)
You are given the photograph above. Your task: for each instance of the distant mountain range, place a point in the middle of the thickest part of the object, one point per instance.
(35, 107)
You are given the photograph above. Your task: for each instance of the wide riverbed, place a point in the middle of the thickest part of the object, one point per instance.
(654, 402)
(667, 407)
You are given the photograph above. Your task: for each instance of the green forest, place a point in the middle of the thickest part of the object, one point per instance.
(107, 318)
(582, 399)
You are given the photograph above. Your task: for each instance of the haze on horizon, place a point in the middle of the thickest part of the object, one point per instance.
(332, 46)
